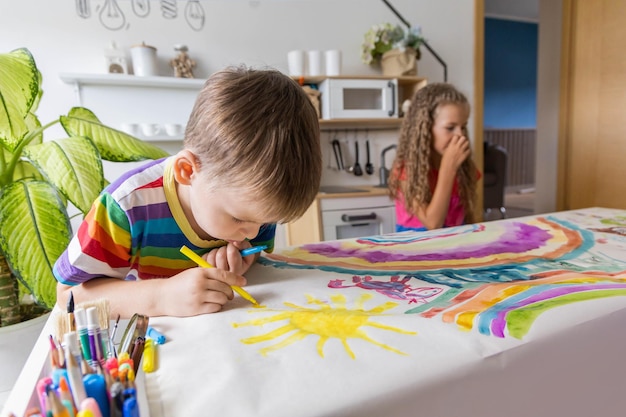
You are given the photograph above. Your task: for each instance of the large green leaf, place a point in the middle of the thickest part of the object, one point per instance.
(73, 165)
(19, 90)
(113, 144)
(34, 231)
(33, 123)
(25, 170)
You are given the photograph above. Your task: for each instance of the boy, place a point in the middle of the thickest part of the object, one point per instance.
(251, 158)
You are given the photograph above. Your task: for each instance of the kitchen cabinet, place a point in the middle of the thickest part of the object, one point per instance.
(343, 86)
(355, 212)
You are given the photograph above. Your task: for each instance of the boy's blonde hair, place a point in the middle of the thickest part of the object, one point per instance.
(415, 147)
(257, 130)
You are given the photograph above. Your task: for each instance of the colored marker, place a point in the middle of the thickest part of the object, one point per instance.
(130, 407)
(95, 387)
(155, 335)
(149, 360)
(204, 264)
(89, 407)
(252, 250)
(81, 328)
(95, 338)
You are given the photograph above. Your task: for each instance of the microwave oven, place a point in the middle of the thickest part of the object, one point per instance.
(359, 98)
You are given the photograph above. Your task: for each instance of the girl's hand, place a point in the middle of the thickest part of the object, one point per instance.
(197, 291)
(228, 258)
(457, 151)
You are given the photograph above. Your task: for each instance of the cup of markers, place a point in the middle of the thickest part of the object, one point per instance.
(89, 378)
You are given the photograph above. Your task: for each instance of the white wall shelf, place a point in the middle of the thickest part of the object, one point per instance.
(129, 102)
(132, 80)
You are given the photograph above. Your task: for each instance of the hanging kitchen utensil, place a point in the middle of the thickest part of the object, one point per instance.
(369, 167)
(330, 151)
(357, 167)
(350, 168)
(338, 156)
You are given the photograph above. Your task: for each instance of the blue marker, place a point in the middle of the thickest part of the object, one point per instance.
(155, 335)
(252, 250)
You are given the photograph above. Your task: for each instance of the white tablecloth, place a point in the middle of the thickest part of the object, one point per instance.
(521, 317)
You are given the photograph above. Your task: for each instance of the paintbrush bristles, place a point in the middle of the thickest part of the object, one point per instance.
(60, 325)
(102, 307)
(61, 320)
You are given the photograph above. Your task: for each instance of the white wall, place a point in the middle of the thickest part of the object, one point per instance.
(256, 32)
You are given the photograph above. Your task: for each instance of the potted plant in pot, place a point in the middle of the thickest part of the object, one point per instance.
(40, 180)
(396, 50)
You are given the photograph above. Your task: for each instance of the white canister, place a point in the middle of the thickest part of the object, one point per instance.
(314, 62)
(333, 62)
(295, 62)
(144, 60)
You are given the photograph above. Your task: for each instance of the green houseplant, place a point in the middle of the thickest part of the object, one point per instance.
(385, 42)
(39, 179)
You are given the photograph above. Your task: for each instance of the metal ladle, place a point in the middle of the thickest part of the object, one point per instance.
(357, 167)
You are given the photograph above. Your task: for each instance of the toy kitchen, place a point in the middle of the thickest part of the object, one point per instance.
(360, 117)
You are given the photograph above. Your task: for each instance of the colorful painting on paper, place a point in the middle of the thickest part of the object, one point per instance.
(496, 277)
(328, 321)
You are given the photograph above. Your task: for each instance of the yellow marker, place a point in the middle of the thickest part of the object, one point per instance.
(149, 360)
(204, 264)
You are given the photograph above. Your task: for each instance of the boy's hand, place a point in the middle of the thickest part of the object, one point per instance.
(198, 291)
(456, 153)
(228, 258)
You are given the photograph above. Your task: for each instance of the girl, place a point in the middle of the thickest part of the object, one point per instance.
(433, 178)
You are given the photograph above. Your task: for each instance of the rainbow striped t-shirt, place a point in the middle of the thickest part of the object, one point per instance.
(135, 230)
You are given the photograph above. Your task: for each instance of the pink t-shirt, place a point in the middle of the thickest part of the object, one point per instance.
(455, 216)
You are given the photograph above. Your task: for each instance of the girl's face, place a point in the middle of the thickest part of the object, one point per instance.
(450, 120)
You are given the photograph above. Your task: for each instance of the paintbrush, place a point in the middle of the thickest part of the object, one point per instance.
(71, 324)
(112, 338)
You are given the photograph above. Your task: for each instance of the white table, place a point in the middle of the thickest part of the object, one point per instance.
(324, 347)
(520, 317)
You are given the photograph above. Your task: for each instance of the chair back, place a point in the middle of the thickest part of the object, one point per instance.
(494, 181)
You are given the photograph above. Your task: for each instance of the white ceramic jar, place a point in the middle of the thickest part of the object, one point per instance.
(144, 60)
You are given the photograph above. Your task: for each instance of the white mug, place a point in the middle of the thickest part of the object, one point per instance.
(295, 62)
(314, 61)
(150, 129)
(333, 62)
(173, 129)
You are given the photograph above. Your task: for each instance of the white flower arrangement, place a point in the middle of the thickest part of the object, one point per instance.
(385, 37)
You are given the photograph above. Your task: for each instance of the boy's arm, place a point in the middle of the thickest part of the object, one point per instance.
(192, 292)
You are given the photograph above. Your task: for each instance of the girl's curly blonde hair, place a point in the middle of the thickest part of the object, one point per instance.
(414, 151)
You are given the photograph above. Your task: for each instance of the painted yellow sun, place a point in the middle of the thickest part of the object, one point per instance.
(328, 321)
